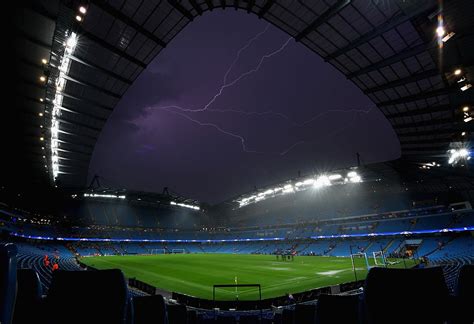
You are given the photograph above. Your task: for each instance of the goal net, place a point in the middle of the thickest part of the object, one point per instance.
(178, 251)
(379, 258)
(360, 262)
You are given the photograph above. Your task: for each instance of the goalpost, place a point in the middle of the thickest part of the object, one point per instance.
(178, 251)
(157, 251)
(356, 257)
(379, 258)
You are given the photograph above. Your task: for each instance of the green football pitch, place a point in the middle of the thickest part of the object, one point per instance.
(195, 274)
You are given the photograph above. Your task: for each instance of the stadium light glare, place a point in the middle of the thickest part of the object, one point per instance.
(318, 182)
(40, 114)
(352, 174)
(356, 179)
(457, 155)
(93, 195)
(465, 108)
(440, 31)
(447, 37)
(308, 182)
(335, 176)
(44, 61)
(82, 10)
(174, 203)
(60, 82)
(42, 78)
(457, 72)
(463, 134)
(41, 138)
(78, 18)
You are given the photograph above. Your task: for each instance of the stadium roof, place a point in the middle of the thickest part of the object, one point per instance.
(389, 49)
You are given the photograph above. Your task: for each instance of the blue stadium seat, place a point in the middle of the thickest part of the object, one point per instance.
(405, 296)
(8, 284)
(149, 309)
(87, 297)
(337, 309)
(28, 298)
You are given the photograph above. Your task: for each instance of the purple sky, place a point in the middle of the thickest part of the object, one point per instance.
(147, 147)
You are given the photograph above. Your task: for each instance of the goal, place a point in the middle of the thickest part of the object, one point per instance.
(178, 251)
(359, 261)
(379, 258)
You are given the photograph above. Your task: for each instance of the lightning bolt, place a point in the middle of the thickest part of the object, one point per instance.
(237, 57)
(242, 139)
(178, 110)
(218, 128)
(235, 81)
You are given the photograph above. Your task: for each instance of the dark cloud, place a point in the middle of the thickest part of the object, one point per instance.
(295, 104)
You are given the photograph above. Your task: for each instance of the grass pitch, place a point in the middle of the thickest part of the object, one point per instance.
(195, 274)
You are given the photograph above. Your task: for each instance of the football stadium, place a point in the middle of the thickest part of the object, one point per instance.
(218, 161)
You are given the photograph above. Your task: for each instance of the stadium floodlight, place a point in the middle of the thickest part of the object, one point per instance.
(447, 37)
(288, 190)
(60, 82)
(308, 182)
(40, 114)
(355, 179)
(440, 31)
(352, 174)
(457, 155)
(269, 192)
(463, 134)
(78, 18)
(465, 108)
(335, 176)
(174, 203)
(322, 181)
(42, 78)
(44, 61)
(82, 10)
(94, 195)
(457, 72)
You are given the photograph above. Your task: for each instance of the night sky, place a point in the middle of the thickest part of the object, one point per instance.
(296, 113)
